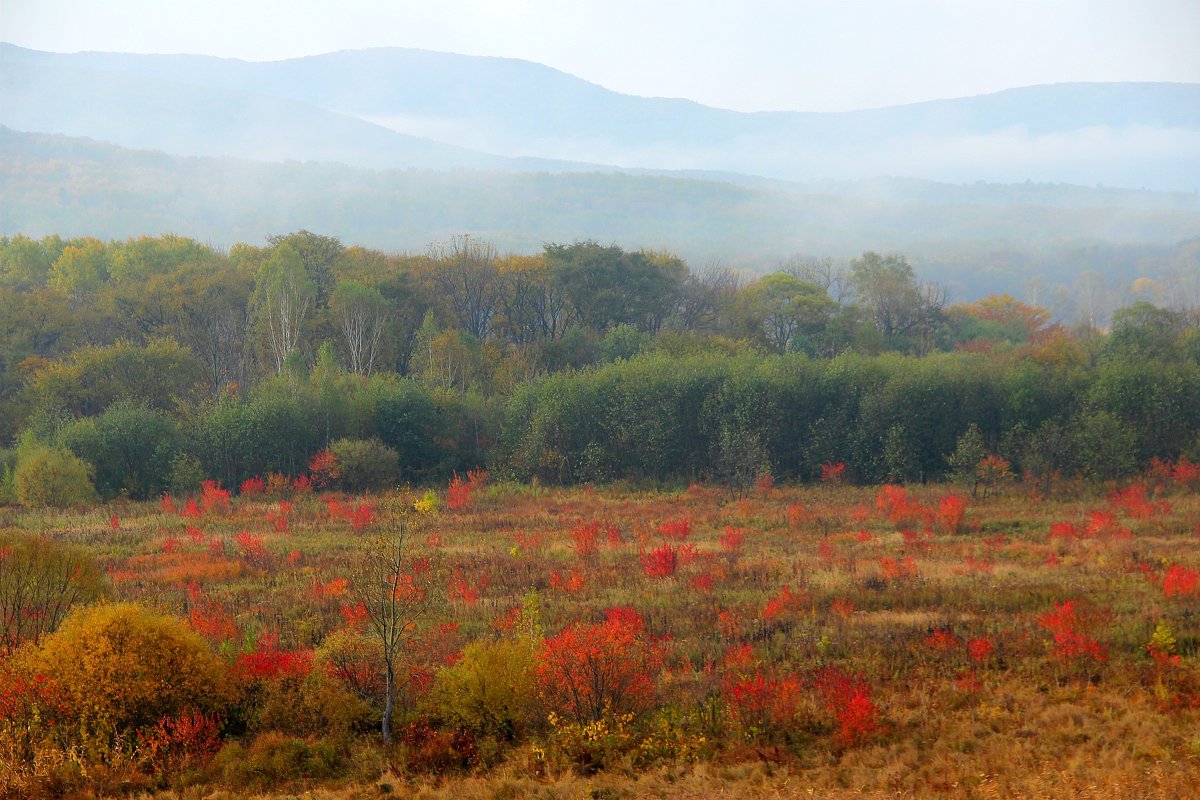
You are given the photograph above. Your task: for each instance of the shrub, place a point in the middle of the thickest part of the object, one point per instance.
(131, 447)
(274, 758)
(488, 690)
(52, 478)
(124, 667)
(364, 465)
(592, 670)
(39, 582)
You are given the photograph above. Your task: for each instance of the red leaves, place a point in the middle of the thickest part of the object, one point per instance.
(467, 591)
(1179, 581)
(784, 603)
(761, 701)
(951, 511)
(731, 541)
(981, 649)
(676, 529)
(1132, 500)
(584, 539)
(833, 473)
(459, 494)
(1070, 641)
(848, 696)
(323, 469)
(184, 741)
(661, 563)
(214, 499)
(252, 487)
(898, 568)
(593, 669)
(571, 583)
(268, 661)
(942, 640)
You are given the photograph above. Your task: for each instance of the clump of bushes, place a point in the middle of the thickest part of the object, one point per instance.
(365, 465)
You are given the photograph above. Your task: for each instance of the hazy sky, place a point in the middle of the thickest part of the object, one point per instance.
(820, 55)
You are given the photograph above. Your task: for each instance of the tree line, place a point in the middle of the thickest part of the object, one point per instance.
(586, 362)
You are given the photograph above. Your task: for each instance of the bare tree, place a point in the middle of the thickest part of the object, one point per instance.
(824, 272)
(466, 273)
(362, 314)
(395, 590)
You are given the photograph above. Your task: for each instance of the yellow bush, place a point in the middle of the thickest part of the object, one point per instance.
(123, 666)
(52, 478)
(489, 690)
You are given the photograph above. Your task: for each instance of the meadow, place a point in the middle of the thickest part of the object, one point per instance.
(821, 639)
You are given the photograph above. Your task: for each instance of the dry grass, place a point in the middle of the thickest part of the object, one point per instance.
(1034, 726)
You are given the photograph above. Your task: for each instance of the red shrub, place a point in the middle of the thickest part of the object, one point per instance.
(849, 698)
(942, 640)
(842, 607)
(786, 602)
(899, 507)
(731, 540)
(323, 469)
(1186, 474)
(181, 742)
(252, 487)
(214, 499)
(190, 509)
(898, 569)
(833, 473)
(660, 563)
(362, 517)
(593, 669)
(678, 529)
(1179, 581)
(952, 509)
(267, 661)
(571, 583)
(585, 538)
(763, 703)
(1070, 641)
(458, 494)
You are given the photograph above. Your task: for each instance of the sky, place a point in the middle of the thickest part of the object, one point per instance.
(747, 55)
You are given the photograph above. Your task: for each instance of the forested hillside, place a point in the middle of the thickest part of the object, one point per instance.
(1079, 251)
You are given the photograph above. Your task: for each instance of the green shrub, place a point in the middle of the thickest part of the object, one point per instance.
(365, 465)
(51, 478)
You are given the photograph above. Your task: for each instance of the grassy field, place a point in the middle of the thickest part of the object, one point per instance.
(791, 641)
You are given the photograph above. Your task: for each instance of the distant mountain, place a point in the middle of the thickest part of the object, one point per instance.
(339, 106)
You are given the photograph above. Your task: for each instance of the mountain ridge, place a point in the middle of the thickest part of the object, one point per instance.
(1131, 134)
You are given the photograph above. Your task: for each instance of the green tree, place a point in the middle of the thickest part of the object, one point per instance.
(316, 255)
(130, 446)
(780, 309)
(887, 289)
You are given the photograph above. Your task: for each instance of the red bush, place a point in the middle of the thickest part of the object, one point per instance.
(593, 669)
(1070, 641)
(661, 563)
(833, 473)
